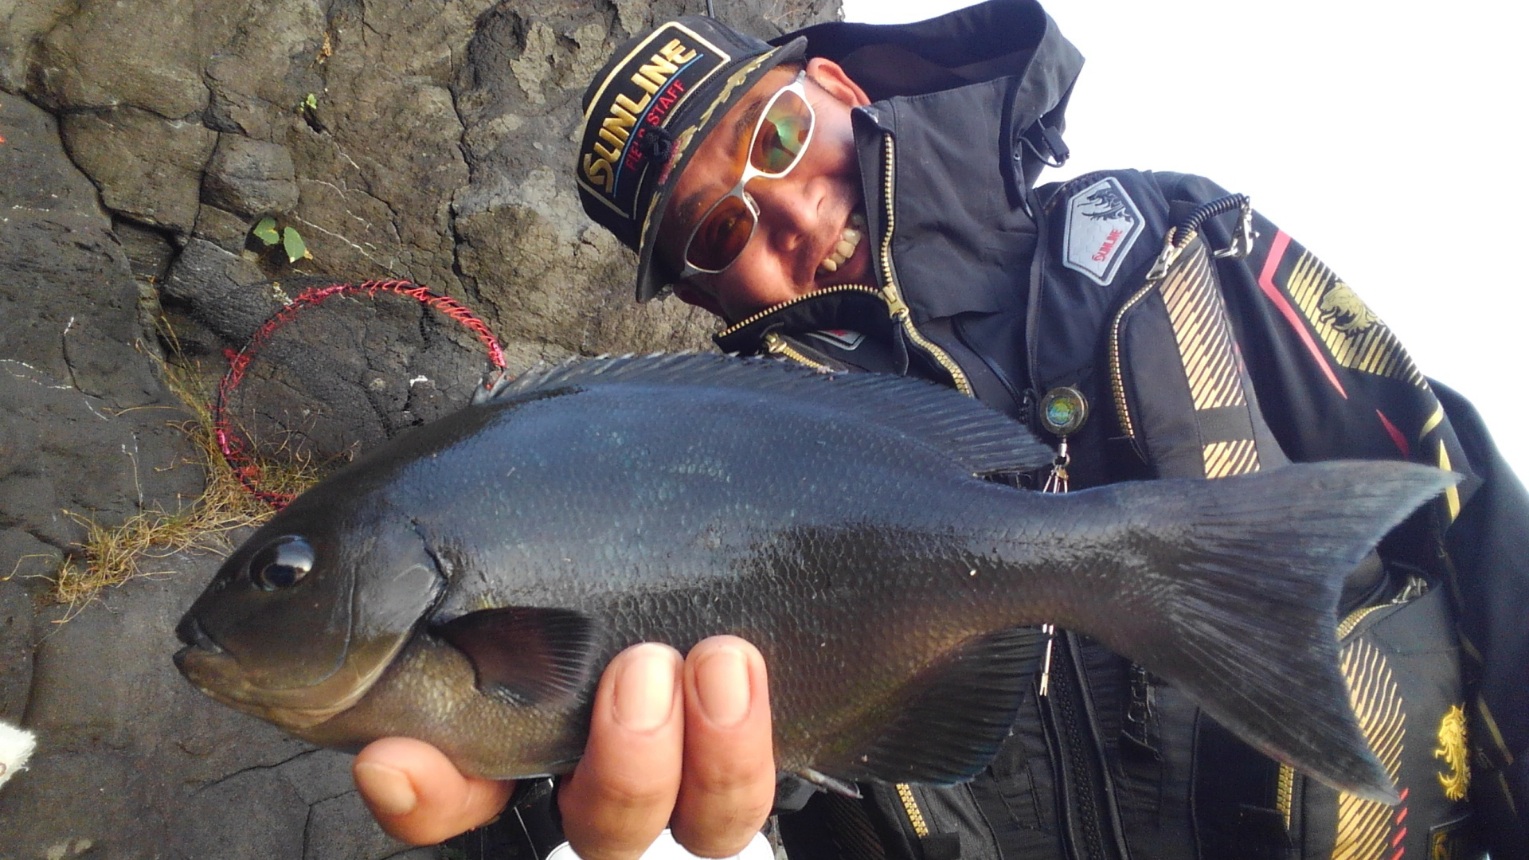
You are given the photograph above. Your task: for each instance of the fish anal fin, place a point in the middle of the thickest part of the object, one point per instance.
(956, 714)
(529, 656)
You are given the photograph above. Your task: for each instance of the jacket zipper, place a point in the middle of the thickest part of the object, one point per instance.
(904, 318)
(1117, 377)
(774, 344)
(839, 288)
(893, 295)
(915, 815)
(1285, 794)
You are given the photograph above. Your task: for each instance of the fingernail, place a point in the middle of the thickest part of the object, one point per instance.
(645, 689)
(386, 789)
(722, 686)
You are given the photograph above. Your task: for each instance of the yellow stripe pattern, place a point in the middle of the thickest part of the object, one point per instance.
(1199, 320)
(1230, 458)
(1451, 495)
(1433, 421)
(1199, 323)
(1353, 334)
(1364, 826)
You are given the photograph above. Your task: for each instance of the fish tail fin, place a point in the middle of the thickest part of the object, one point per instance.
(1243, 619)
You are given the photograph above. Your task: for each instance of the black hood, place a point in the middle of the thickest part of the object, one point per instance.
(998, 39)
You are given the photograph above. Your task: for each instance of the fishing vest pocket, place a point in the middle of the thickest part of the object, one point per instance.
(1402, 664)
(1182, 395)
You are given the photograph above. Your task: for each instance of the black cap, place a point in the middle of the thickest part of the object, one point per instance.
(647, 110)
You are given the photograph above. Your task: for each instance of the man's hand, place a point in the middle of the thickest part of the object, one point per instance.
(684, 744)
(417, 795)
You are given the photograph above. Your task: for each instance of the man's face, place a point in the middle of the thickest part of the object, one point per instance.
(807, 219)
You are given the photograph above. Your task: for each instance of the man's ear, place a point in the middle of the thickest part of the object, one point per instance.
(832, 78)
(698, 298)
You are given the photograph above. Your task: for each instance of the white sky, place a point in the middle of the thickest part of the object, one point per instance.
(1385, 140)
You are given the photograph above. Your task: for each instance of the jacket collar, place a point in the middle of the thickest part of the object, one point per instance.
(945, 163)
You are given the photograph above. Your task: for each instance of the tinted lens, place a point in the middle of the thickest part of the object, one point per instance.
(780, 138)
(782, 134)
(721, 235)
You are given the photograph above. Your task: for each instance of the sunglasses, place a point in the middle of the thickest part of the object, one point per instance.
(780, 138)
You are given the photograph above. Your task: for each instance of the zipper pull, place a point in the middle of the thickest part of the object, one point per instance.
(1062, 411)
(1180, 235)
(1050, 631)
(774, 344)
(1165, 258)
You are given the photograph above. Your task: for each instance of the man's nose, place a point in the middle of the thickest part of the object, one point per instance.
(786, 211)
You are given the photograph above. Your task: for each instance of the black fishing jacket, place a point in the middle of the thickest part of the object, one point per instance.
(1159, 327)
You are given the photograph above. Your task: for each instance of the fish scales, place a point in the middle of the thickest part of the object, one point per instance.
(479, 572)
(775, 583)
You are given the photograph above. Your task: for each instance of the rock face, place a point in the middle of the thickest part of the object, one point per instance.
(140, 144)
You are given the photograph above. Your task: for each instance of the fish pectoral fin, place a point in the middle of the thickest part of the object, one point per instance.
(953, 716)
(530, 656)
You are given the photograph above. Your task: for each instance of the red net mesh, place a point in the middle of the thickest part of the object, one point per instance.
(316, 387)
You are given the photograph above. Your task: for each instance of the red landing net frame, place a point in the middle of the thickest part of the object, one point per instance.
(236, 448)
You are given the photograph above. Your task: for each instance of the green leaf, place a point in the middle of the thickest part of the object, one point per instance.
(311, 102)
(265, 231)
(292, 243)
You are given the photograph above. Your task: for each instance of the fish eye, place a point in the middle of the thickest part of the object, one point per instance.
(281, 564)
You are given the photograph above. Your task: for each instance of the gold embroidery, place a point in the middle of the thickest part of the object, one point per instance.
(1353, 334)
(1442, 847)
(1452, 750)
(1342, 308)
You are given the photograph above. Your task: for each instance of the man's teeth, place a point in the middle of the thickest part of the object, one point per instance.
(849, 240)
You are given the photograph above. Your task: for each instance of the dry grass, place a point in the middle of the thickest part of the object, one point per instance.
(112, 555)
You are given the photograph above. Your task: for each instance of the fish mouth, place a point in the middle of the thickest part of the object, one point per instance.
(217, 674)
(199, 652)
(194, 636)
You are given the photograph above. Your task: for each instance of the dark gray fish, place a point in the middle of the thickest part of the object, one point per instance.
(466, 583)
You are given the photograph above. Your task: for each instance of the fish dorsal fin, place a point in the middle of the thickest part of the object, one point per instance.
(978, 437)
(528, 656)
(956, 714)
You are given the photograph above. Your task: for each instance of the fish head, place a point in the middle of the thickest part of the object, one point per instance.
(302, 620)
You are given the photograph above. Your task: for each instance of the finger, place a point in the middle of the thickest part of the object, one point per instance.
(729, 770)
(622, 793)
(418, 796)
